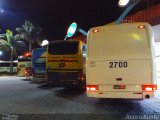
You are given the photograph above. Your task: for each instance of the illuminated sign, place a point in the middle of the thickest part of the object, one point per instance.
(72, 29)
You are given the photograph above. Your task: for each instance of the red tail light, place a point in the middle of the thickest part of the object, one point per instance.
(29, 71)
(25, 72)
(92, 87)
(81, 76)
(28, 54)
(149, 87)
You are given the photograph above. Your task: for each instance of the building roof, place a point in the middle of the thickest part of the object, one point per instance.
(150, 15)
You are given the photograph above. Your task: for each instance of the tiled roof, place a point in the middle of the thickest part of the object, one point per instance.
(150, 15)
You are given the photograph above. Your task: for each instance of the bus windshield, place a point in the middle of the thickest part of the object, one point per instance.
(23, 59)
(63, 48)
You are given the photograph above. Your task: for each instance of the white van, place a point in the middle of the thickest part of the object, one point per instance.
(120, 61)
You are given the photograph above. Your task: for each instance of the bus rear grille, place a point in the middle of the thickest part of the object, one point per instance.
(65, 76)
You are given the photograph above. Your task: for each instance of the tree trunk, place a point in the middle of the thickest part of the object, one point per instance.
(30, 46)
(11, 60)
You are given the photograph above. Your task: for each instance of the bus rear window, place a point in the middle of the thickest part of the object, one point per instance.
(63, 48)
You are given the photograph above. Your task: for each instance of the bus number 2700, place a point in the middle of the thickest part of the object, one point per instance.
(122, 64)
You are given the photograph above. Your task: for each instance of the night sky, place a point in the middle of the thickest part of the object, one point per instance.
(54, 16)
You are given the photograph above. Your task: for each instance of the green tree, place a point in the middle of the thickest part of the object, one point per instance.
(9, 44)
(4, 45)
(10, 37)
(18, 44)
(29, 33)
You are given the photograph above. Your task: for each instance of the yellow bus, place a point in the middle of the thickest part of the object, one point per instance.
(24, 61)
(65, 63)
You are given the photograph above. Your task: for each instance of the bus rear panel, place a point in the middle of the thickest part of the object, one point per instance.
(23, 62)
(120, 62)
(39, 64)
(65, 63)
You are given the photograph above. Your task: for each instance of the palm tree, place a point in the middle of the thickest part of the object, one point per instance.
(9, 44)
(29, 33)
(10, 37)
(4, 45)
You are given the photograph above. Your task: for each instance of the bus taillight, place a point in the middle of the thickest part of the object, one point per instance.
(81, 76)
(149, 87)
(25, 72)
(92, 87)
(28, 54)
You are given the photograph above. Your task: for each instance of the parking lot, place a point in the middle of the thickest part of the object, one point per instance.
(21, 97)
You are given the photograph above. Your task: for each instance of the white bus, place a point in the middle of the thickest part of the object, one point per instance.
(120, 62)
(5, 66)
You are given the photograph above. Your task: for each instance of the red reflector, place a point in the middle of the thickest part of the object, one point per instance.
(149, 87)
(92, 87)
(95, 30)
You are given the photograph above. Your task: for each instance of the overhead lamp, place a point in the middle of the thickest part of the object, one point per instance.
(123, 3)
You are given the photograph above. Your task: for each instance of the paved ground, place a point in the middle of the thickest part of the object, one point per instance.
(37, 101)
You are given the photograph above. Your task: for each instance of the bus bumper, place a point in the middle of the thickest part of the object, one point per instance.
(121, 95)
(65, 79)
(38, 79)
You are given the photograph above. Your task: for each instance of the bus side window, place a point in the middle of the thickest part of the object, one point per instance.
(84, 51)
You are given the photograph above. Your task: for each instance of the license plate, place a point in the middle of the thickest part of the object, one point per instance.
(119, 86)
(62, 65)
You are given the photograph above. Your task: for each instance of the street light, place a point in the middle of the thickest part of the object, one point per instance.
(123, 3)
(127, 10)
(72, 30)
(1, 53)
(1, 10)
(44, 42)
